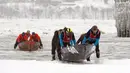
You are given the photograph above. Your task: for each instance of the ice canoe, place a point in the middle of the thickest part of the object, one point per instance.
(77, 53)
(29, 46)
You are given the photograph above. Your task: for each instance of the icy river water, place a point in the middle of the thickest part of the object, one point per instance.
(110, 47)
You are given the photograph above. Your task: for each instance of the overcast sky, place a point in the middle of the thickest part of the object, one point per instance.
(89, 1)
(67, 0)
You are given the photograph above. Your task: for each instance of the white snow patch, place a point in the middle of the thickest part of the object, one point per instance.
(13, 66)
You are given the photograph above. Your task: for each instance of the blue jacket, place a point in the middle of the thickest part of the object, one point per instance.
(72, 42)
(89, 37)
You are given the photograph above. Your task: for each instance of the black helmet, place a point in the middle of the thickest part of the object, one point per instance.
(23, 33)
(65, 28)
(33, 33)
(94, 27)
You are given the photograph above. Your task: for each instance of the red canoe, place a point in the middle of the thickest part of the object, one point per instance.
(29, 46)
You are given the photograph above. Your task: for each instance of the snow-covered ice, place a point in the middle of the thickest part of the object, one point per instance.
(115, 54)
(12, 66)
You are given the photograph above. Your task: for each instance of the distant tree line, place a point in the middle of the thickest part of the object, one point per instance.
(36, 10)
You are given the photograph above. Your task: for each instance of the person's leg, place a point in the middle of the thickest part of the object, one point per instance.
(88, 42)
(59, 52)
(97, 51)
(53, 51)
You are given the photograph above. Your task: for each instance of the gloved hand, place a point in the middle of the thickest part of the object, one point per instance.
(41, 47)
(93, 47)
(62, 47)
(14, 47)
(93, 44)
(85, 44)
(71, 46)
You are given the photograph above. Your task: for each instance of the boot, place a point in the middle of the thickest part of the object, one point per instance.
(15, 46)
(98, 54)
(88, 59)
(53, 57)
(60, 58)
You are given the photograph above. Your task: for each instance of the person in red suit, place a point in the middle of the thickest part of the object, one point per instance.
(35, 37)
(21, 38)
(28, 35)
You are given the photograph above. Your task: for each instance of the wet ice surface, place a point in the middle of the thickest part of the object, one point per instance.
(115, 47)
(110, 47)
(7, 51)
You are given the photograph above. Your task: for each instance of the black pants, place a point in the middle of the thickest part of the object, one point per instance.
(54, 48)
(97, 52)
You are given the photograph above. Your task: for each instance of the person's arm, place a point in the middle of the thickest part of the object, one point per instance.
(86, 37)
(97, 39)
(73, 38)
(61, 41)
(38, 37)
(18, 38)
(79, 40)
(40, 41)
(17, 42)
